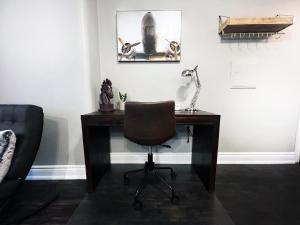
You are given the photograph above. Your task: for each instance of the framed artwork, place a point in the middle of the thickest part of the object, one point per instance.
(149, 36)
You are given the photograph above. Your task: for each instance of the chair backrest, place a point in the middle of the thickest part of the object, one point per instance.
(149, 123)
(27, 123)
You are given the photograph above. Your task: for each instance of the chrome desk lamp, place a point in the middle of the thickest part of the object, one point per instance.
(194, 77)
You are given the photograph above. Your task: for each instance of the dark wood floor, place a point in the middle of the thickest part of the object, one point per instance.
(260, 194)
(251, 194)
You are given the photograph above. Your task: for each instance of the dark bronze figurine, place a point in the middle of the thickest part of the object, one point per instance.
(105, 96)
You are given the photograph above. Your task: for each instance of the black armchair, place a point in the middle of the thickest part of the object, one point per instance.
(27, 123)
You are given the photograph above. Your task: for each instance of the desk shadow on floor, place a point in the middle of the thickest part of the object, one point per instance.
(111, 203)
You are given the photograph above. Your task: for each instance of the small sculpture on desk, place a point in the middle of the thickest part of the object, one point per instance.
(105, 96)
(121, 103)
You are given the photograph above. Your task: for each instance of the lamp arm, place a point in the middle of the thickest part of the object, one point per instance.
(198, 84)
(195, 97)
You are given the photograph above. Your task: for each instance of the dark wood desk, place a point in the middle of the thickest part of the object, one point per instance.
(96, 142)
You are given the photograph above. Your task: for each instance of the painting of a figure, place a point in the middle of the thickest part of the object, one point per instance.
(149, 36)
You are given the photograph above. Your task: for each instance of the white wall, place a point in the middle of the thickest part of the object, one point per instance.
(48, 57)
(259, 120)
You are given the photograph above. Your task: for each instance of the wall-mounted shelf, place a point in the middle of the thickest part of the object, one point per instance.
(244, 28)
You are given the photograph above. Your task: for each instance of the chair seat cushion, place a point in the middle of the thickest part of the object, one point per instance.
(7, 148)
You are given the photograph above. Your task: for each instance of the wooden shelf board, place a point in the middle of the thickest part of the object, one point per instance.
(255, 25)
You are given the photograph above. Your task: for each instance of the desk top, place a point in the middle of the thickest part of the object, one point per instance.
(116, 117)
(177, 112)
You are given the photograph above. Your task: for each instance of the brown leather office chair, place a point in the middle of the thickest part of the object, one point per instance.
(150, 124)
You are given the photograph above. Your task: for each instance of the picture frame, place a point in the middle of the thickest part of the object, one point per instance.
(149, 36)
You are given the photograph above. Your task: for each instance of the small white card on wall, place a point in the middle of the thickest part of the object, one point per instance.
(243, 75)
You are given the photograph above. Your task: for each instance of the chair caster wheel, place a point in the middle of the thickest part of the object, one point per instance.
(174, 199)
(137, 204)
(173, 175)
(126, 180)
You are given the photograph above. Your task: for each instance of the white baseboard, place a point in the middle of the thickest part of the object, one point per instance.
(56, 172)
(141, 157)
(69, 172)
(297, 141)
(257, 158)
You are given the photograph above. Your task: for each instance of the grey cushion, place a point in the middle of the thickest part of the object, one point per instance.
(7, 148)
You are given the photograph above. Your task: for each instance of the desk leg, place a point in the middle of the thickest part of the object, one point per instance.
(205, 152)
(96, 143)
